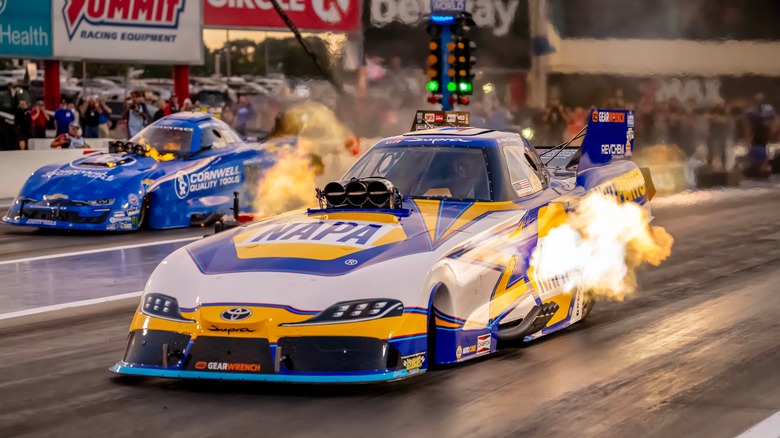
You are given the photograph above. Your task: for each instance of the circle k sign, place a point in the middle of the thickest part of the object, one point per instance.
(313, 15)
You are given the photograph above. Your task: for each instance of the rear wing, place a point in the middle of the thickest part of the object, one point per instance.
(609, 138)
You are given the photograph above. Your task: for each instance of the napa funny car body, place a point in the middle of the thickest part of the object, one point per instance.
(419, 256)
(180, 171)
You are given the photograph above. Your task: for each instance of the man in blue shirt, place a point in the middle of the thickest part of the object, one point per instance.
(63, 117)
(104, 117)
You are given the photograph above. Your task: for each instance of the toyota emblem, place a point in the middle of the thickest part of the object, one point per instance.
(236, 314)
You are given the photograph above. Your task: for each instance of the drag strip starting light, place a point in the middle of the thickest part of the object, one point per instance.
(434, 66)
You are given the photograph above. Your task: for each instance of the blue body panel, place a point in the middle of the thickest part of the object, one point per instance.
(120, 186)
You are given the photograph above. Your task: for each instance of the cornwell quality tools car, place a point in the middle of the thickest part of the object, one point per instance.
(419, 256)
(179, 171)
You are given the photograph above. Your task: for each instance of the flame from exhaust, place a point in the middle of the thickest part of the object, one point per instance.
(318, 146)
(601, 247)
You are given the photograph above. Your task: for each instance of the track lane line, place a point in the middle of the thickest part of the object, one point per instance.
(98, 250)
(768, 428)
(70, 305)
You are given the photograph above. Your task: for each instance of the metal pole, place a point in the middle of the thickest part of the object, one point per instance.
(228, 69)
(446, 38)
(538, 18)
(84, 89)
(265, 50)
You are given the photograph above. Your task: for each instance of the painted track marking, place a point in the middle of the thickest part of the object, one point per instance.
(98, 250)
(768, 428)
(70, 305)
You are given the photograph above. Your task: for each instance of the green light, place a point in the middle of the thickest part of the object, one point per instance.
(451, 86)
(465, 87)
(432, 86)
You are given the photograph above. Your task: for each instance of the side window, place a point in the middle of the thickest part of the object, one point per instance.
(229, 136)
(212, 137)
(522, 171)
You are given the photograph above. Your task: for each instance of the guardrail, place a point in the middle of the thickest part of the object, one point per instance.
(17, 166)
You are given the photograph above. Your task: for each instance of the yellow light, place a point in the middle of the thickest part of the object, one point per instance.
(451, 59)
(528, 133)
(462, 59)
(462, 72)
(461, 46)
(432, 45)
(488, 88)
(451, 72)
(431, 73)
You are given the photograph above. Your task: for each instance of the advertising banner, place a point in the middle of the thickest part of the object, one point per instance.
(25, 28)
(143, 31)
(308, 15)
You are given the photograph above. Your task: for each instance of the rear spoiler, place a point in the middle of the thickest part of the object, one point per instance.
(609, 138)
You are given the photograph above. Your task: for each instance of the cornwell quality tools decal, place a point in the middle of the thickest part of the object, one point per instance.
(205, 180)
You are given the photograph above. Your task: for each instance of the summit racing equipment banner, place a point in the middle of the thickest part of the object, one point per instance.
(165, 31)
(311, 15)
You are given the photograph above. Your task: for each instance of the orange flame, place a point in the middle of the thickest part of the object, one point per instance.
(601, 246)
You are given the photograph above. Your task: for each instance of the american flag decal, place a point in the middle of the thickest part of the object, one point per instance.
(521, 185)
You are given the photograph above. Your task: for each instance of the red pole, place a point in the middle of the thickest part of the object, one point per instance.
(51, 84)
(181, 82)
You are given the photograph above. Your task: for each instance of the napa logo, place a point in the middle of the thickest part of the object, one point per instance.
(317, 239)
(131, 13)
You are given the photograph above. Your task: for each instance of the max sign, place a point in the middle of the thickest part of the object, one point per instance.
(133, 30)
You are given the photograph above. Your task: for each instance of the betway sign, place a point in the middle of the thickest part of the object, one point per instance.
(312, 15)
(497, 15)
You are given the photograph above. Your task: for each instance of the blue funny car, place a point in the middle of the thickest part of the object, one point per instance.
(180, 171)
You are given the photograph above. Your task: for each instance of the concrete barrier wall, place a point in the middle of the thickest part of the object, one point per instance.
(17, 166)
(44, 144)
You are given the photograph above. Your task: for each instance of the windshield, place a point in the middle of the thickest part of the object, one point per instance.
(166, 139)
(429, 172)
(209, 98)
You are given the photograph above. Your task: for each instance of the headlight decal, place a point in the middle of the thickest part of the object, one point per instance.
(355, 311)
(162, 306)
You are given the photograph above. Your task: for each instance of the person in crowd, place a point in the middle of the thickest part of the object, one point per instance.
(160, 113)
(63, 117)
(577, 122)
(71, 139)
(717, 135)
(135, 114)
(228, 116)
(172, 106)
(244, 114)
(39, 118)
(23, 124)
(104, 118)
(554, 121)
(187, 105)
(76, 115)
(91, 118)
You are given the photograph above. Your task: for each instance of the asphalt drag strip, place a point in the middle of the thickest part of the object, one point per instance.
(694, 352)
